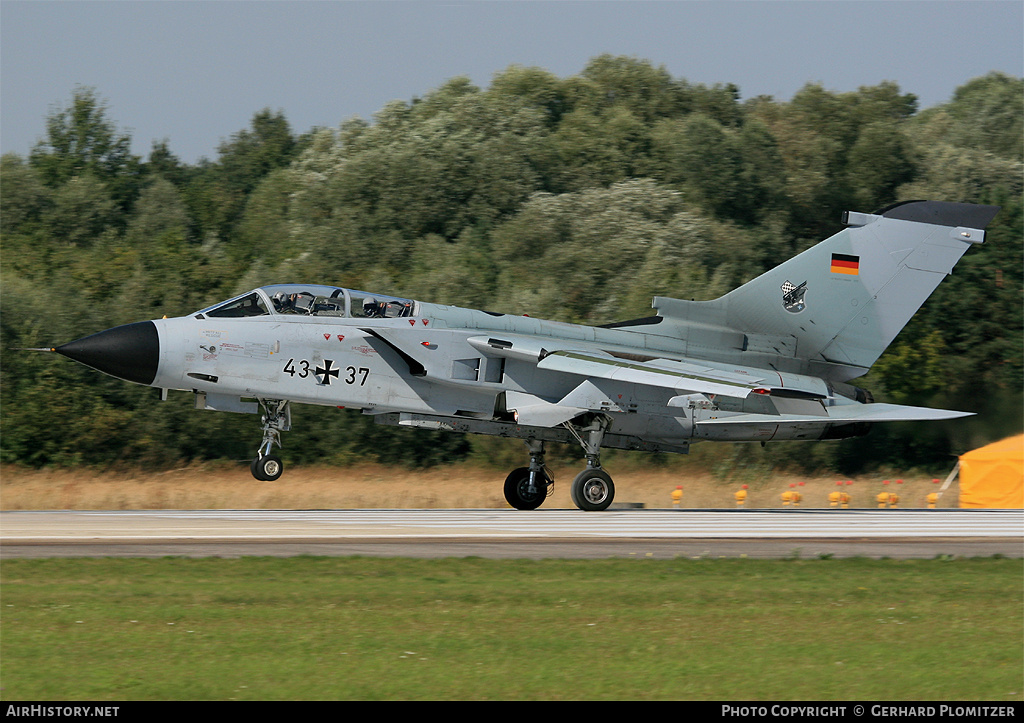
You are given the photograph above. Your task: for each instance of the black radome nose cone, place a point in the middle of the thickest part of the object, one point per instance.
(130, 352)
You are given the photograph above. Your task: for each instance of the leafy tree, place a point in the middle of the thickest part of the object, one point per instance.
(264, 230)
(253, 153)
(163, 163)
(574, 199)
(534, 88)
(425, 169)
(877, 164)
(218, 191)
(636, 85)
(461, 272)
(988, 114)
(720, 102)
(761, 182)
(82, 209)
(81, 141)
(701, 157)
(23, 197)
(595, 148)
(599, 240)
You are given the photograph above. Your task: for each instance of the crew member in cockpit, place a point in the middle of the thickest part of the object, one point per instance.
(282, 302)
(371, 308)
(300, 303)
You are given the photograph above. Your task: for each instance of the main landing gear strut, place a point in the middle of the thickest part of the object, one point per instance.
(277, 418)
(592, 489)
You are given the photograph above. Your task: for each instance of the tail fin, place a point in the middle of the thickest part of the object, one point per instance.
(839, 304)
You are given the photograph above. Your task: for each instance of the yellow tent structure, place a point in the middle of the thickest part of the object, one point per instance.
(993, 475)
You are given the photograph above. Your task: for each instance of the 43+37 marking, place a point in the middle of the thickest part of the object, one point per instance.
(324, 372)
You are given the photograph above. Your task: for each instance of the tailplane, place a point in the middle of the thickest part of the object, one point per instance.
(838, 305)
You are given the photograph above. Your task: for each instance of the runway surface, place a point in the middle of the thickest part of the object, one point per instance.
(514, 534)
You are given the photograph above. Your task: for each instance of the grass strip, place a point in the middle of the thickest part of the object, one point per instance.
(310, 628)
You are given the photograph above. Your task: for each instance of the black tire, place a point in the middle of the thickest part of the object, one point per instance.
(517, 493)
(267, 469)
(592, 490)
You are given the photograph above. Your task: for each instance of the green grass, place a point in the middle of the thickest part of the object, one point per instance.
(309, 628)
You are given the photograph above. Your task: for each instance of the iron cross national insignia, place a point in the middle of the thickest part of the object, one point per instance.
(325, 372)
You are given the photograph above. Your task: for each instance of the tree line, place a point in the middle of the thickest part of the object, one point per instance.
(576, 199)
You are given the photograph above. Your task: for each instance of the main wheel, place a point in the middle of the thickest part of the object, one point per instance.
(518, 493)
(592, 490)
(267, 469)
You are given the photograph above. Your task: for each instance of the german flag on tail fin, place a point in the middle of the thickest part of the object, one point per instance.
(845, 264)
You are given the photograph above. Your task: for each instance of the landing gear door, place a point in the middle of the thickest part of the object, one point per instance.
(225, 403)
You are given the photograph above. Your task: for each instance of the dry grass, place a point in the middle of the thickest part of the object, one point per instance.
(221, 486)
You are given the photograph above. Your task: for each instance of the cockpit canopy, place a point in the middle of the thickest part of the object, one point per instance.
(312, 300)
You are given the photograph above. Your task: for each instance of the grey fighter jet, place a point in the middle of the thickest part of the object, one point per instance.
(771, 360)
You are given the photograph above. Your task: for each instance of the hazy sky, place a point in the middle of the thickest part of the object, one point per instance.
(195, 72)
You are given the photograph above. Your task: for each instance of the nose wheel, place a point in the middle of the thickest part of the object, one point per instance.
(268, 468)
(277, 418)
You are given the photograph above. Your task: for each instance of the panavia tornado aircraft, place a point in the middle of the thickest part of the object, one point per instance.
(770, 360)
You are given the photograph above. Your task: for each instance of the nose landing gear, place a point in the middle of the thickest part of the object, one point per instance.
(277, 418)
